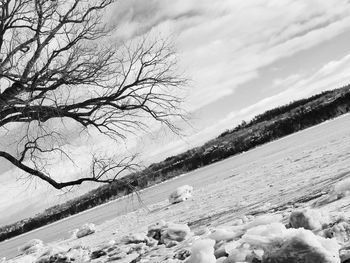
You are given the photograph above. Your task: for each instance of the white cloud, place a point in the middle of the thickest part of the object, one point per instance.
(332, 75)
(286, 81)
(224, 44)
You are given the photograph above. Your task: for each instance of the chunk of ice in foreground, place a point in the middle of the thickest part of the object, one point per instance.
(202, 252)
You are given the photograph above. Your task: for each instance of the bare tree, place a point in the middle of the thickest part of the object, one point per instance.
(59, 62)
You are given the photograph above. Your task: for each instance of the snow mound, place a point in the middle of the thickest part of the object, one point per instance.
(181, 194)
(202, 252)
(86, 229)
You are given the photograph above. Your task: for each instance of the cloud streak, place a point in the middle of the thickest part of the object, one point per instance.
(333, 74)
(224, 44)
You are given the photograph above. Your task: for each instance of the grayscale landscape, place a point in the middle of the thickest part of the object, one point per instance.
(180, 131)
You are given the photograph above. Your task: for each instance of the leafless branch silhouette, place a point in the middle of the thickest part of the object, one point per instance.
(57, 62)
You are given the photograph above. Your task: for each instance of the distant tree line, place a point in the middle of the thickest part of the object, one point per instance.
(266, 127)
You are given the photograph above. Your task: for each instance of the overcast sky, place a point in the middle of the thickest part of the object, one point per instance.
(243, 58)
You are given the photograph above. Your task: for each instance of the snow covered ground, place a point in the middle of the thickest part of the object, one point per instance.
(296, 171)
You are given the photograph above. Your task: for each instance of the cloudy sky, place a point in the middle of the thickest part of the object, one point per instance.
(243, 57)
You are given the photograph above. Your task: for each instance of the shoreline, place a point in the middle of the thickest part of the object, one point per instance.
(175, 178)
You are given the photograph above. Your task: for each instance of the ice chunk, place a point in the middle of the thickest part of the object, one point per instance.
(239, 254)
(234, 232)
(282, 245)
(263, 234)
(155, 230)
(79, 254)
(308, 219)
(303, 246)
(221, 260)
(222, 234)
(175, 232)
(220, 250)
(342, 188)
(340, 231)
(166, 232)
(181, 194)
(85, 230)
(231, 246)
(202, 251)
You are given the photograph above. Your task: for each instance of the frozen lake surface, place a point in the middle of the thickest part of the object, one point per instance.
(289, 170)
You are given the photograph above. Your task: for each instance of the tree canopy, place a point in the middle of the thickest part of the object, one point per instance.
(59, 62)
